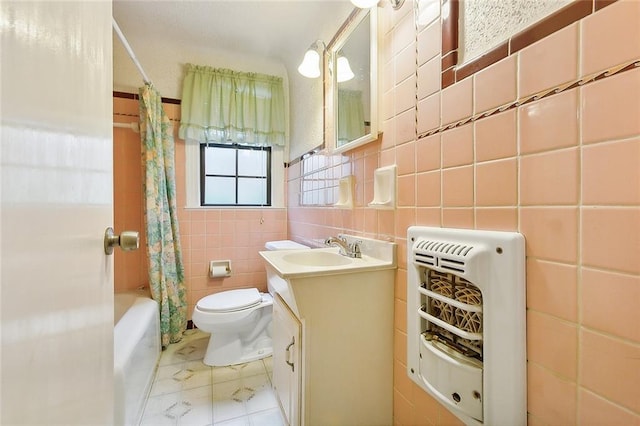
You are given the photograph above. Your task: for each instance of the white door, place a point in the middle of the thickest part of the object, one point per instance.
(56, 299)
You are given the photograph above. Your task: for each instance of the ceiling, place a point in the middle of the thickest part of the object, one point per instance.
(278, 29)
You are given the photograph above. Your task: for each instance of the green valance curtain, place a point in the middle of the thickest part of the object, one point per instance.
(350, 115)
(220, 105)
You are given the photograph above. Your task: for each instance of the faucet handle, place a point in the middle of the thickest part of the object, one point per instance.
(354, 248)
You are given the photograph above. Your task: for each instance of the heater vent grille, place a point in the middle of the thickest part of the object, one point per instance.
(452, 309)
(441, 254)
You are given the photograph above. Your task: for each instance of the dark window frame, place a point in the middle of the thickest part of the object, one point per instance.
(236, 147)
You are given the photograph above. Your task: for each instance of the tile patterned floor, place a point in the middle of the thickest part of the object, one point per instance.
(187, 392)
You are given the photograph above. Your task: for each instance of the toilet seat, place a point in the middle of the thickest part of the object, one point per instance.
(230, 301)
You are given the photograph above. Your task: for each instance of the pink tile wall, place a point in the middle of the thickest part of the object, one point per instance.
(206, 234)
(561, 169)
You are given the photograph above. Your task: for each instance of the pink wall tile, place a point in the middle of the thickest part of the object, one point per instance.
(429, 42)
(609, 367)
(604, 184)
(458, 218)
(549, 397)
(406, 126)
(429, 113)
(428, 189)
(549, 123)
(403, 33)
(457, 187)
(610, 303)
(496, 85)
(611, 238)
(596, 411)
(611, 107)
(406, 158)
(549, 62)
(550, 178)
(612, 36)
(496, 136)
(406, 64)
(457, 101)
(429, 77)
(457, 146)
(552, 343)
(497, 219)
(428, 216)
(405, 95)
(405, 217)
(496, 183)
(552, 288)
(428, 153)
(406, 190)
(550, 233)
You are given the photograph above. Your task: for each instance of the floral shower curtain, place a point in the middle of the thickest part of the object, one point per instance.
(166, 270)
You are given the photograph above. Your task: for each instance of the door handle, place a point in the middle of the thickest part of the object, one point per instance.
(127, 240)
(288, 357)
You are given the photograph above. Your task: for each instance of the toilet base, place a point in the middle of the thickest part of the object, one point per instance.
(226, 350)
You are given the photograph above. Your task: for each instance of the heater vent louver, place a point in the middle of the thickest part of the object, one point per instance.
(441, 254)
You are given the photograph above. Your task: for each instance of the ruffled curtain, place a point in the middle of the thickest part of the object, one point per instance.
(350, 116)
(221, 105)
(166, 270)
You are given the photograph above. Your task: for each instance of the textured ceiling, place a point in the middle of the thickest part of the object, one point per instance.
(277, 29)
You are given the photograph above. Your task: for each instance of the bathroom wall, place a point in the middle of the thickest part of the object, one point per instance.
(563, 170)
(206, 234)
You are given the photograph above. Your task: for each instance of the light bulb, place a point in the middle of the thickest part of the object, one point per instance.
(310, 66)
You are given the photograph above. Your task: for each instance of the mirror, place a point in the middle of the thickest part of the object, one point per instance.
(351, 117)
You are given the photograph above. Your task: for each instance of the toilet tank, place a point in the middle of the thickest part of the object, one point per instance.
(284, 245)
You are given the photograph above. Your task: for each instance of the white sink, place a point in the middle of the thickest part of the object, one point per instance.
(316, 258)
(327, 261)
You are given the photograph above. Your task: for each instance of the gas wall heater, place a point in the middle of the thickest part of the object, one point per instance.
(466, 330)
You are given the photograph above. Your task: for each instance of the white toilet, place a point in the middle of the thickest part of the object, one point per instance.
(239, 321)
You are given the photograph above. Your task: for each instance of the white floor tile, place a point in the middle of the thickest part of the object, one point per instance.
(186, 392)
(234, 372)
(267, 418)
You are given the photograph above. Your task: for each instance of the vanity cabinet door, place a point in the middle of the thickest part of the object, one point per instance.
(287, 365)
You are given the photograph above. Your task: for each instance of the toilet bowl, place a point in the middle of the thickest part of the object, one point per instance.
(239, 321)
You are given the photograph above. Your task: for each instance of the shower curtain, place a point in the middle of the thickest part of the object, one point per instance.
(166, 270)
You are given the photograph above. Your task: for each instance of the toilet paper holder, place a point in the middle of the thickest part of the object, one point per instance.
(220, 268)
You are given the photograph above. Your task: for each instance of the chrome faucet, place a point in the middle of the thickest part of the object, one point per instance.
(350, 250)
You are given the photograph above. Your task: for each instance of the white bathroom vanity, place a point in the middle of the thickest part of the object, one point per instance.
(333, 334)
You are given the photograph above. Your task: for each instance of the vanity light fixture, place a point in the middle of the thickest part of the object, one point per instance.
(365, 4)
(344, 72)
(310, 66)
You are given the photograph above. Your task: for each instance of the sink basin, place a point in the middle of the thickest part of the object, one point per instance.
(316, 258)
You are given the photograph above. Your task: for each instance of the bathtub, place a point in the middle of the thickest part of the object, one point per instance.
(136, 352)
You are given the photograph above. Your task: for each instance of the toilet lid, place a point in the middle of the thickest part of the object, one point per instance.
(229, 301)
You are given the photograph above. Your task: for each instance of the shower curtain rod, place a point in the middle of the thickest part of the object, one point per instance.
(126, 45)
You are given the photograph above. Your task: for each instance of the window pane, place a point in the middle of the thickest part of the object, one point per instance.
(252, 191)
(252, 162)
(220, 161)
(219, 190)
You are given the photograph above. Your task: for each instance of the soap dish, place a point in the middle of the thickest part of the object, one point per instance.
(345, 193)
(384, 188)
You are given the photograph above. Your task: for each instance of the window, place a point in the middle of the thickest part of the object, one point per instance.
(235, 175)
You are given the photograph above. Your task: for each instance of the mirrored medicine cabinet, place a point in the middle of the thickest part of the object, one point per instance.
(351, 104)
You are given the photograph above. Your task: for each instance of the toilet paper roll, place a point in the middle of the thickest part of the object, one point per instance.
(217, 271)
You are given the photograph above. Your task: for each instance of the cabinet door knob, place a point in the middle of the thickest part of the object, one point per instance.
(288, 357)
